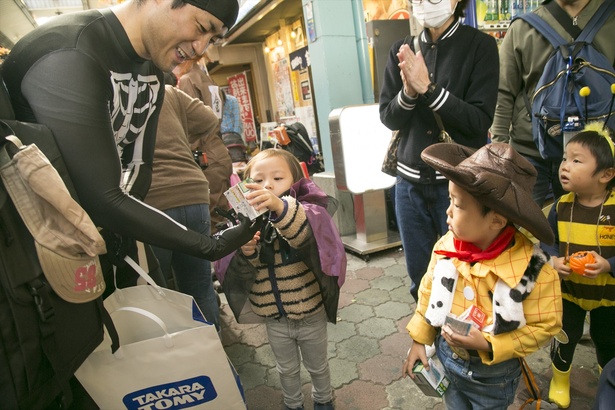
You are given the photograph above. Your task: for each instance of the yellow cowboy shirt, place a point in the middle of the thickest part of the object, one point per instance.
(542, 308)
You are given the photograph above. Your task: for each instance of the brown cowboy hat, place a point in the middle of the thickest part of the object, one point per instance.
(498, 177)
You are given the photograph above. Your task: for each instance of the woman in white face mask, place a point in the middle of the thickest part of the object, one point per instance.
(443, 81)
(434, 14)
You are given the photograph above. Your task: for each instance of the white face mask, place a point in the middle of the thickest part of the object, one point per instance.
(432, 15)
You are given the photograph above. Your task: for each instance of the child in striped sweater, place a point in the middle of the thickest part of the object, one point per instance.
(293, 290)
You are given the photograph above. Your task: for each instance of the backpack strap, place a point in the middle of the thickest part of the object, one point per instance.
(543, 28)
(587, 35)
(597, 21)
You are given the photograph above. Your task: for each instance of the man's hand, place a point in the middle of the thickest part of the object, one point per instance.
(232, 238)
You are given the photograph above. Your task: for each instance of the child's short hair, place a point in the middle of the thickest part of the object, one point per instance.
(293, 162)
(599, 147)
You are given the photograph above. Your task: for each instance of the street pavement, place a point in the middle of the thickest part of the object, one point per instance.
(368, 345)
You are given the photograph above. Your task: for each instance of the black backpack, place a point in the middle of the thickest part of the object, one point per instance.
(301, 147)
(43, 338)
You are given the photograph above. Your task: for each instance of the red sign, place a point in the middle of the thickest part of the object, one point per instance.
(238, 87)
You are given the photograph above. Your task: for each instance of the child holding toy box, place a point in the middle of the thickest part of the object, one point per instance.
(486, 268)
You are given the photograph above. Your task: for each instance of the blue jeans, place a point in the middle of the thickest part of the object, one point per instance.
(421, 218)
(192, 275)
(547, 180)
(296, 340)
(474, 385)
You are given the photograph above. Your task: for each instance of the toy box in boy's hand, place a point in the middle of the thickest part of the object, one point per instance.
(457, 325)
(432, 382)
(236, 198)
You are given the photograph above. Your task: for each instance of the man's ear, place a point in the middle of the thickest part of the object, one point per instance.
(498, 221)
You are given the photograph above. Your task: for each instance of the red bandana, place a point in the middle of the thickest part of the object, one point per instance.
(468, 252)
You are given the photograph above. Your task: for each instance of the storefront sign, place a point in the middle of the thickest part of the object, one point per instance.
(238, 87)
(300, 59)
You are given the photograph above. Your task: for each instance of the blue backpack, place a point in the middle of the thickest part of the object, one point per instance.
(571, 66)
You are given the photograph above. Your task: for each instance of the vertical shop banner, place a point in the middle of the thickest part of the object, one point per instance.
(283, 89)
(238, 87)
(308, 14)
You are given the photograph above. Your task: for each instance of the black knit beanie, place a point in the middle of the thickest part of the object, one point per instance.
(225, 10)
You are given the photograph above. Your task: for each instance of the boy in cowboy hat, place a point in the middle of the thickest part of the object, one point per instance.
(486, 269)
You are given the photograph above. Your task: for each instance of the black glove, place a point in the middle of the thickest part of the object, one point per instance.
(230, 216)
(118, 246)
(233, 238)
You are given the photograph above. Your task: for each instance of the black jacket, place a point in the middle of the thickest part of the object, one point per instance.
(464, 64)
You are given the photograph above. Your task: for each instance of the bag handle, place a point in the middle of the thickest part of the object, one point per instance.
(143, 274)
(168, 340)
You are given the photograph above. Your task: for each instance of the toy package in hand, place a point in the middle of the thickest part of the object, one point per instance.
(457, 325)
(236, 198)
(432, 382)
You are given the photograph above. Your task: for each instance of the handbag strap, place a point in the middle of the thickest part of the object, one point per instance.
(439, 121)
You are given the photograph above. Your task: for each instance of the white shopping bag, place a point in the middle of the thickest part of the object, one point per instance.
(169, 357)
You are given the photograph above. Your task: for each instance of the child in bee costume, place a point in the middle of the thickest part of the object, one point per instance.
(583, 221)
(485, 265)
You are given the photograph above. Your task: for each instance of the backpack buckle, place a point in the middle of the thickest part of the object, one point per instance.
(40, 294)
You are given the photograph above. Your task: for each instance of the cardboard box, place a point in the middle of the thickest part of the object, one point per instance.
(432, 382)
(457, 325)
(236, 198)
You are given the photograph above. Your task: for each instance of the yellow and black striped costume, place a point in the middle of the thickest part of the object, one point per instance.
(590, 230)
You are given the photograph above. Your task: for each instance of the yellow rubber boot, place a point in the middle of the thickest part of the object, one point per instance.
(559, 389)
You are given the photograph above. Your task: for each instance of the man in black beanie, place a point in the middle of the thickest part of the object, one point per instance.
(95, 78)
